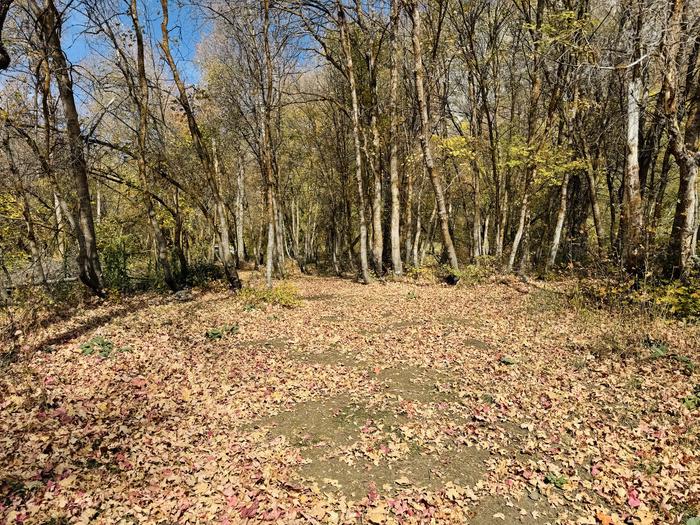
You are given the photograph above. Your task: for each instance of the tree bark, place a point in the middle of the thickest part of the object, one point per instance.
(631, 216)
(90, 272)
(240, 195)
(631, 213)
(685, 148)
(448, 245)
(350, 71)
(4, 55)
(561, 215)
(394, 143)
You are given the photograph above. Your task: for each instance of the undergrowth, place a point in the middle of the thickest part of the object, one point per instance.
(469, 274)
(676, 299)
(284, 294)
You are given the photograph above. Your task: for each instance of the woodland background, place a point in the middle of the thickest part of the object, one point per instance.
(351, 138)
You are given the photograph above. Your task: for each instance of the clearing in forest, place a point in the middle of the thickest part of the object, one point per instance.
(389, 403)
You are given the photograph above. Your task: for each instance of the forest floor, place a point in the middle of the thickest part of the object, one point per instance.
(501, 402)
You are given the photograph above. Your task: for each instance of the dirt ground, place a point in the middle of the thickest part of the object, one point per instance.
(395, 402)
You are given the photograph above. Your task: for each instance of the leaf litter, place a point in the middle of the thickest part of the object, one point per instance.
(388, 403)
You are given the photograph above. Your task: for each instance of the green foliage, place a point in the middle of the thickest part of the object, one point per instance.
(681, 299)
(692, 402)
(658, 348)
(459, 147)
(557, 481)
(685, 361)
(102, 346)
(220, 332)
(285, 295)
(550, 161)
(676, 299)
(115, 247)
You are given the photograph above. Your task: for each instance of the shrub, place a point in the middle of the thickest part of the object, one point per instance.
(681, 300)
(467, 275)
(677, 299)
(202, 273)
(115, 247)
(285, 295)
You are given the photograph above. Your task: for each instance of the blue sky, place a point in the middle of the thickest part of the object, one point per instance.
(186, 28)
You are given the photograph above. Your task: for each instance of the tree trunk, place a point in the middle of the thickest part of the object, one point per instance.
(240, 192)
(502, 221)
(476, 224)
(425, 139)
(4, 55)
(89, 268)
(408, 219)
(591, 176)
(394, 144)
(345, 43)
(685, 149)
(377, 200)
(631, 213)
(521, 229)
(223, 228)
(142, 104)
(561, 215)
(195, 132)
(485, 247)
(270, 250)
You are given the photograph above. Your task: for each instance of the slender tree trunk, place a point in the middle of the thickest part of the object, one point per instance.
(270, 251)
(60, 232)
(591, 176)
(98, 205)
(501, 222)
(521, 229)
(394, 144)
(408, 218)
(685, 149)
(561, 215)
(485, 247)
(223, 228)
(350, 71)
(179, 239)
(193, 126)
(161, 247)
(631, 215)
(377, 200)
(430, 234)
(240, 193)
(425, 139)
(476, 224)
